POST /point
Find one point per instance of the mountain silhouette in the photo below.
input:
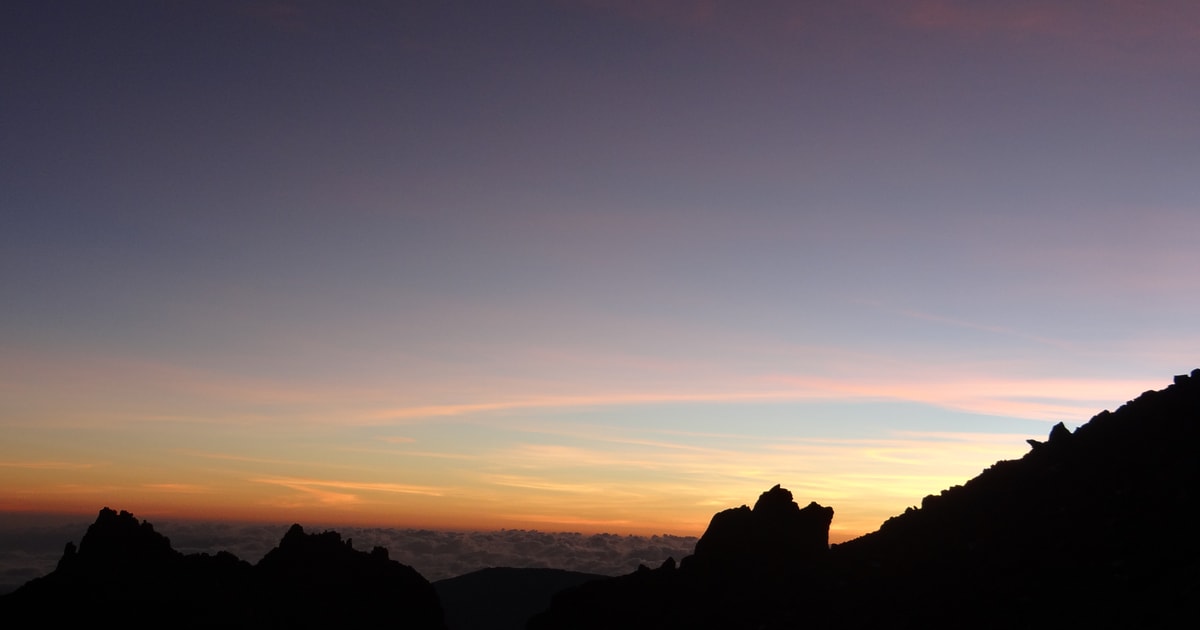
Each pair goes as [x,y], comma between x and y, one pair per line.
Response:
[123,567]
[1089,528]
[1092,527]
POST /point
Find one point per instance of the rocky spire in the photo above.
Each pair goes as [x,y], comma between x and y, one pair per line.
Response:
[776,535]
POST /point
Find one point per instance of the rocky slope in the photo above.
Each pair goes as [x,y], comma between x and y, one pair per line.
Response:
[1090,527]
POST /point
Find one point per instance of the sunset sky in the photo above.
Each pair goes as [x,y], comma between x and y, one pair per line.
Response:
[580,265]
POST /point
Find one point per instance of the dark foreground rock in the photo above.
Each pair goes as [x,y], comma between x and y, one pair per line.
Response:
[772,538]
[1091,528]
[749,562]
[503,598]
[125,571]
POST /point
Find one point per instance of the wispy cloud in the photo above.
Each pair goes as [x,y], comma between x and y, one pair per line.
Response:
[180,488]
[396,439]
[953,388]
[622,471]
[1049,399]
[830,374]
[565,402]
[45,465]
[410,453]
[320,487]
[560,520]
[986,328]
[236,458]
[539,483]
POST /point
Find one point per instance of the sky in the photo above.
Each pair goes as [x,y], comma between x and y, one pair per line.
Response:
[579,265]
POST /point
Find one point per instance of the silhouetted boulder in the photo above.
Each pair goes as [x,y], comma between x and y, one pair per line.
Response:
[773,536]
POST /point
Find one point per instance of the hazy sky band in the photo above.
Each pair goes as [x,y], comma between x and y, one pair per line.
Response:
[616,264]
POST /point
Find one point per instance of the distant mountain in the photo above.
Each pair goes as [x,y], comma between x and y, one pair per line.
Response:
[124,571]
[1088,528]
[502,598]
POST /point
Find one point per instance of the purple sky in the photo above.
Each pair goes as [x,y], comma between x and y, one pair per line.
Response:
[597,265]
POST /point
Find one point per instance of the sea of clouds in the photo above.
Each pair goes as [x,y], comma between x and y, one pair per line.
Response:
[29,550]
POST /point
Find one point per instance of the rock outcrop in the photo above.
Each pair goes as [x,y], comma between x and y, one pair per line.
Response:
[775,536]
[747,563]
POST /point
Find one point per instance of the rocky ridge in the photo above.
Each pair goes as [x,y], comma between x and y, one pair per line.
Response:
[309,581]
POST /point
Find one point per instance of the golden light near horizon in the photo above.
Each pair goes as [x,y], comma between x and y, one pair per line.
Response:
[484,472]
[584,266]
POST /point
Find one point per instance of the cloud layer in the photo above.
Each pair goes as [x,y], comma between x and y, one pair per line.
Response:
[30,550]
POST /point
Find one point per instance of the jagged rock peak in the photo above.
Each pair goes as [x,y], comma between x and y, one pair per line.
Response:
[1059,436]
[775,532]
[296,540]
[69,558]
[309,581]
[294,534]
[1184,379]
[121,534]
[776,500]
